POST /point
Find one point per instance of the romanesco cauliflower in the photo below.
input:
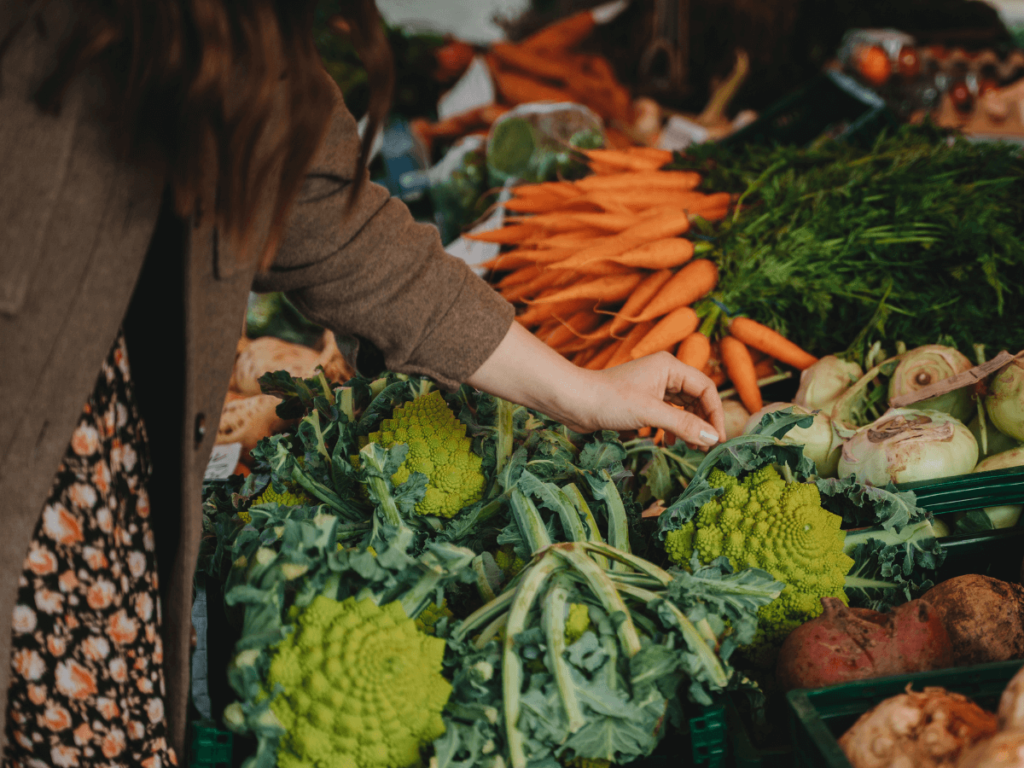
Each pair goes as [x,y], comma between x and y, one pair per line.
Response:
[433,613]
[765,522]
[287,499]
[439,448]
[577,622]
[362,687]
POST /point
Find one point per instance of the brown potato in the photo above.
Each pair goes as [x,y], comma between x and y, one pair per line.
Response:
[983,616]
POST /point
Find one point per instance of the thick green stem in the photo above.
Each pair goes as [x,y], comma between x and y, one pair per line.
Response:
[553,620]
[503,447]
[531,524]
[626,558]
[691,635]
[483,615]
[579,501]
[511,665]
[604,589]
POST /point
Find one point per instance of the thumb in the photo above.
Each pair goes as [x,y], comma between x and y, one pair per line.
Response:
[683,424]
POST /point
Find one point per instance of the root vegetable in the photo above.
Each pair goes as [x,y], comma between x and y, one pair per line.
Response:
[735,417]
[1011,704]
[845,644]
[930,729]
[1004,750]
[983,616]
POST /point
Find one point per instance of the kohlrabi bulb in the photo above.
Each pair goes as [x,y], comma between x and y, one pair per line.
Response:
[1005,402]
[825,382]
[906,445]
[927,365]
[1005,515]
[819,441]
[735,417]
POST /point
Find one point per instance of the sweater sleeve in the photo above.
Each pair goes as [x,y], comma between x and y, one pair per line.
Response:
[374,273]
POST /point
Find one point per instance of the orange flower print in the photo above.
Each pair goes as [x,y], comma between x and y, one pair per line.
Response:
[137,563]
[142,503]
[74,681]
[95,648]
[100,594]
[70,621]
[37,694]
[28,664]
[83,734]
[55,717]
[140,664]
[24,741]
[119,670]
[85,441]
[24,620]
[104,520]
[122,415]
[95,558]
[107,708]
[122,457]
[155,710]
[68,581]
[56,645]
[144,606]
[113,743]
[108,423]
[82,496]
[136,730]
[49,602]
[64,756]
[60,525]
[144,685]
[158,651]
[152,762]
[101,477]
[149,541]
[41,561]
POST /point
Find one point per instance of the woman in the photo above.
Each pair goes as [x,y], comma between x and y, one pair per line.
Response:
[158,159]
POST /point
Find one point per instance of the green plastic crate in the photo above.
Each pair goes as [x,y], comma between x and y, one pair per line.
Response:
[211,747]
[819,718]
[708,734]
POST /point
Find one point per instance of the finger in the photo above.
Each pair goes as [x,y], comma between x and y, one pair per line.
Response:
[682,424]
[689,381]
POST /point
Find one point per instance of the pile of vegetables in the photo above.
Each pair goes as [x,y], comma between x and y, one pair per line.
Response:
[507,538]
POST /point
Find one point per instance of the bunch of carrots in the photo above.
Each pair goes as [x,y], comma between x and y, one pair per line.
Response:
[543,67]
[603,274]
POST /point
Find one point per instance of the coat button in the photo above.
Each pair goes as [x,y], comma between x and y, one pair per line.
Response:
[200,428]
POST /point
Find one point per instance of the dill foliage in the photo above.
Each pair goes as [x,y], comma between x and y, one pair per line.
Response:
[918,239]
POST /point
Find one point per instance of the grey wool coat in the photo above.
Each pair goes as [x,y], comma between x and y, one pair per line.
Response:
[87,246]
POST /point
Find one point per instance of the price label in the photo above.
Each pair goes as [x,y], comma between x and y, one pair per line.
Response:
[223,461]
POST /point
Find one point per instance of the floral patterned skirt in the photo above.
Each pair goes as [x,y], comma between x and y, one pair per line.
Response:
[87,679]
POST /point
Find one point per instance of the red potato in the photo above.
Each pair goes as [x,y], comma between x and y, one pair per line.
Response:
[983,616]
[845,644]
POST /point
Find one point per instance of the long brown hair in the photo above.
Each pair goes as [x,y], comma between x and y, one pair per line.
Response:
[176,68]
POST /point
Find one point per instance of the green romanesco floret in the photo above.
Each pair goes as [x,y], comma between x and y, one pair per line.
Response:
[439,448]
[290,498]
[508,561]
[576,623]
[362,687]
[765,522]
[433,613]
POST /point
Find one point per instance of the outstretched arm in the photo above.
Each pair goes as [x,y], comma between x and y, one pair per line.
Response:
[526,371]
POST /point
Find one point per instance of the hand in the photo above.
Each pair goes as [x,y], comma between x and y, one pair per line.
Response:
[641,393]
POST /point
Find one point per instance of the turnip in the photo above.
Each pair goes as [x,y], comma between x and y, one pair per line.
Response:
[1005,403]
[921,368]
[735,417]
[1004,750]
[825,382]
[819,441]
[845,644]
[984,618]
[927,729]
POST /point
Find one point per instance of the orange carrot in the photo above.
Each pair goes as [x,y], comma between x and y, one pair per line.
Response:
[669,331]
[600,360]
[642,198]
[589,340]
[632,339]
[581,323]
[609,288]
[739,366]
[690,283]
[548,188]
[667,224]
[581,358]
[642,294]
[630,160]
[579,238]
[758,336]
[694,351]
[718,377]
[520,89]
[520,276]
[667,180]
[548,203]
[764,369]
[529,62]
[652,153]
[508,261]
[552,278]
[643,432]
[538,313]
[660,254]
[505,235]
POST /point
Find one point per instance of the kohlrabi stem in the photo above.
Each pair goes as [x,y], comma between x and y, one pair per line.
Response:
[484,614]
[503,448]
[531,524]
[325,384]
[576,497]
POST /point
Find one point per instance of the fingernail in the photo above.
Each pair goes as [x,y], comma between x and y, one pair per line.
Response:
[710,438]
